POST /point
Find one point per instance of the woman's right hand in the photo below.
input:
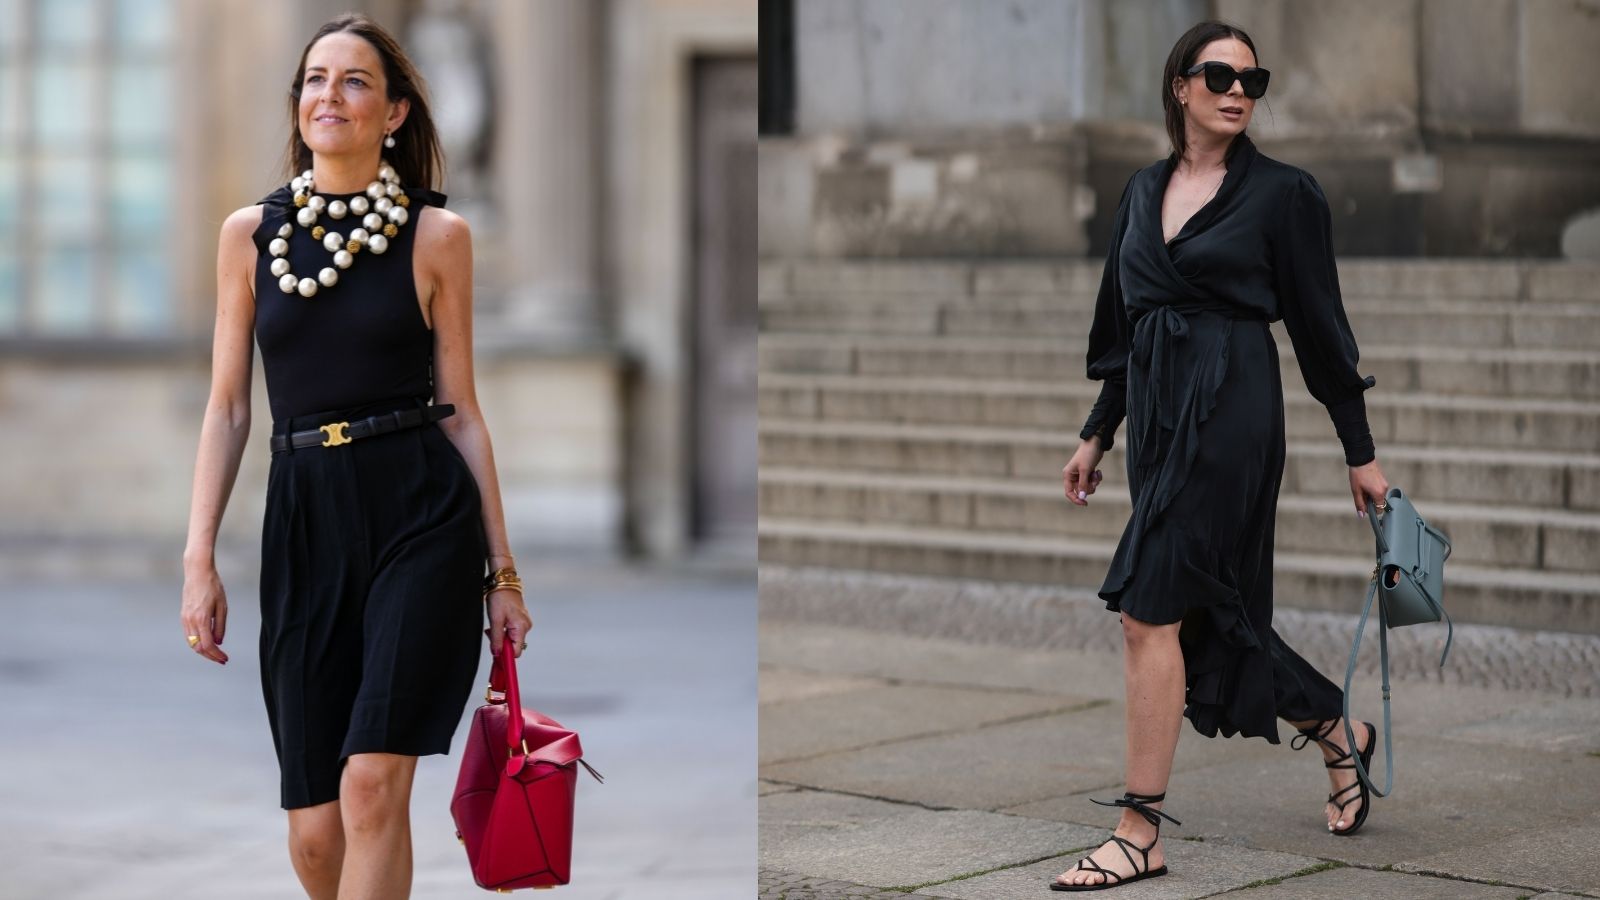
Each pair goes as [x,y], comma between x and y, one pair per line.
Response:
[1080,477]
[205,612]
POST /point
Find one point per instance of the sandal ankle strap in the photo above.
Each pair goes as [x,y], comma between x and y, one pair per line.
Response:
[1315,733]
[1136,802]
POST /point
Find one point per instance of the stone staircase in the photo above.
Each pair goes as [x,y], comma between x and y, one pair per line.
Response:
[915,417]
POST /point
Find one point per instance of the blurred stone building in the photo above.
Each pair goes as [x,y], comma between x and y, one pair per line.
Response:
[951,127]
[602,150]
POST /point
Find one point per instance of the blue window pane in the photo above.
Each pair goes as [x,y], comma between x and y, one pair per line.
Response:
[141,102]
[10,102]
[65,195]
[139,193]
[10,195]
[140,289]
[10,23]
[10,294]
[65,296]
[62,94]
[67,23]
[143,24]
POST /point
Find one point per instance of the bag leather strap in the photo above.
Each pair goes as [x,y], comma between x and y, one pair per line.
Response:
[1383,655]
[1349,675]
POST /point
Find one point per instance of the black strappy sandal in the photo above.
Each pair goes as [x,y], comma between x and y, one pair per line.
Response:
[1135,802]
[1343,761]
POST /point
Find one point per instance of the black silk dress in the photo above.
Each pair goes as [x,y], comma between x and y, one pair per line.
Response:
[1181,340]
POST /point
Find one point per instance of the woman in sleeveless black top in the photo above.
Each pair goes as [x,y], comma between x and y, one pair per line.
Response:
[375,538]
[1181,340]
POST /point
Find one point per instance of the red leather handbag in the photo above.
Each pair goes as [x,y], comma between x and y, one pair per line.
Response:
[514,796]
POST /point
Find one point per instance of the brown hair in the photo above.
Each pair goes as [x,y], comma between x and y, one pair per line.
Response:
[1183,55]
[417,156]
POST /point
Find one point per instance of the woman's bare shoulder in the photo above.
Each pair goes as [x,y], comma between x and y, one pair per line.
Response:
[441,229]
[239,228]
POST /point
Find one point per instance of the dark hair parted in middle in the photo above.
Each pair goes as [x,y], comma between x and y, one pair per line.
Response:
[417,156]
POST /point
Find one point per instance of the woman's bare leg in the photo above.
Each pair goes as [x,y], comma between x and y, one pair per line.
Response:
[316,848]
[375,791]
[1152,667]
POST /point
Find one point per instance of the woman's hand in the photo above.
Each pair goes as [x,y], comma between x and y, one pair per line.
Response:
[1080,477]
[1368,481]
[508,617]
[205,611]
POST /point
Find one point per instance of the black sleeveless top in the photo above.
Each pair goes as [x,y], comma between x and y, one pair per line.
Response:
[361,341]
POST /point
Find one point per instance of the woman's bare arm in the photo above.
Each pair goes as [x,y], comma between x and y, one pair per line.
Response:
[223,430]
[444,250]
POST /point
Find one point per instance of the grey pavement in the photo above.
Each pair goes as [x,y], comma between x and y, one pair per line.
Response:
[935,738]
[133,769]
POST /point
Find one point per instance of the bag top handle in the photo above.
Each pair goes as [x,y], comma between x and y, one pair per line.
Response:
[503,672]
[1372,519]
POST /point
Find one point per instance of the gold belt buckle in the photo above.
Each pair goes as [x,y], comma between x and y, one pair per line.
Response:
[335,433]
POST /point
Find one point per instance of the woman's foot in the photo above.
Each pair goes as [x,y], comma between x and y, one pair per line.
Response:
[1133,853]
[1337,757]
[1122,861]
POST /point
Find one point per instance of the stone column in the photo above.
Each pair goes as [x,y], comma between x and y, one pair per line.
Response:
[549,162]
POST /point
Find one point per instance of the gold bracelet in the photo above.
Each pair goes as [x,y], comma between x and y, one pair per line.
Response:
[505,573]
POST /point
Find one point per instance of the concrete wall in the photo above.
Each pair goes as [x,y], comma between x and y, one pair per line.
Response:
[1439,127]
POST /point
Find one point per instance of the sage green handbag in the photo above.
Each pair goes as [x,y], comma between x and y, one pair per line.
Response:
[1409,583]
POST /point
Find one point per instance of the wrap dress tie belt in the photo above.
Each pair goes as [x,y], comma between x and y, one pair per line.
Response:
[1178,363]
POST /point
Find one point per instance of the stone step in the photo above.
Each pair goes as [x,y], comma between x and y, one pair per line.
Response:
[1531,280]
[1428,322]
[1491,596]
[1527,478]
[1487,535]
[1477,371]
[1431,419]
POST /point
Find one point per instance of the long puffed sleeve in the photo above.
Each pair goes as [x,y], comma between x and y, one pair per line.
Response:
[1107,360]
[1313,312]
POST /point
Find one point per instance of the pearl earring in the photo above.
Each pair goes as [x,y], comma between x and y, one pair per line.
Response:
[388,140]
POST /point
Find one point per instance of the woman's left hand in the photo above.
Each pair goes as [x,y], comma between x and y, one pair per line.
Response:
[1368,481]
[509,620]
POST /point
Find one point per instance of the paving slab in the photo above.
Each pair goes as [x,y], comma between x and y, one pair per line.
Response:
[877,654]
[1344,882]
[1195,870]
[801,811]
[1000,765]
[1562,858]
[877,715]
[1447,795]
[1554,724]
[917,845]
[1534,720]
[776,685]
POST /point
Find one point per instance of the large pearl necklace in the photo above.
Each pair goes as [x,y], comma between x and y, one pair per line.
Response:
[384,198]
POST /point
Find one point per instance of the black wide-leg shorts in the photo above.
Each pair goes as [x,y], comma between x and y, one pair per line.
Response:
[372,617]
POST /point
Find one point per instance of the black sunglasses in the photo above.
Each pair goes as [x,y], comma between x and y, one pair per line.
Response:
[1220,77]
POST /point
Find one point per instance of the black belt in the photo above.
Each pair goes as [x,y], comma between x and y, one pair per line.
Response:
[335,434]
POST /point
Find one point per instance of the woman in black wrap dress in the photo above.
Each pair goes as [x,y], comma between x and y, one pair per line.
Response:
[1204,255]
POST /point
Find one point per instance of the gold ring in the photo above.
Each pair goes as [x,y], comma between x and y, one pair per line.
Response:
[194,639]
